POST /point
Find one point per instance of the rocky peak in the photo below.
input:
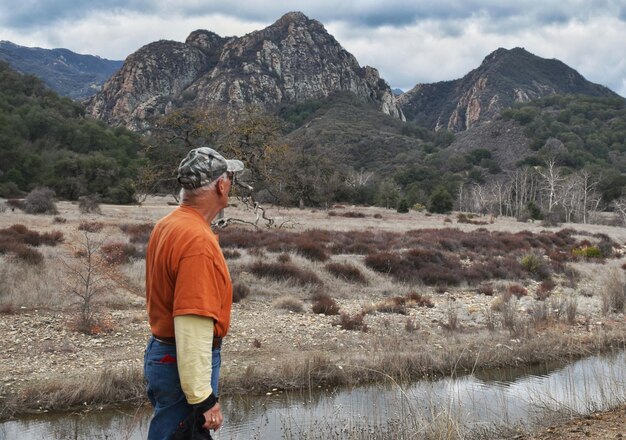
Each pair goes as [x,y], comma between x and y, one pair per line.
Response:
[503,78]
[292,61]
[207,41]
[294,17]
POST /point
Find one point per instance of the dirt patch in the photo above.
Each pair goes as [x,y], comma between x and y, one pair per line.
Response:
[598,426]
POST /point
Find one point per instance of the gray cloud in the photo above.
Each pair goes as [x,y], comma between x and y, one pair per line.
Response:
[408,41]
[365,12]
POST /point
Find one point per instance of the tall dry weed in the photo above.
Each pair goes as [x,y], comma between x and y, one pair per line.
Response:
[613,292]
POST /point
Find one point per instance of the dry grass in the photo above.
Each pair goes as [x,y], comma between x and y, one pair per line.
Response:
[240,291]
[124,386]
[613,292]
[289,302]
[400,346]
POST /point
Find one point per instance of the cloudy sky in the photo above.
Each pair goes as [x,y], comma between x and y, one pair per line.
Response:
[409,42]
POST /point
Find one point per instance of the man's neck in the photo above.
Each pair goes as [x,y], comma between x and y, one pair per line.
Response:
[204,205]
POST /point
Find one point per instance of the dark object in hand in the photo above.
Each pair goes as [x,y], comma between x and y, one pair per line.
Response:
[191,428]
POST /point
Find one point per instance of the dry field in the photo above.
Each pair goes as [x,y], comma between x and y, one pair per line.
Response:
[334,297]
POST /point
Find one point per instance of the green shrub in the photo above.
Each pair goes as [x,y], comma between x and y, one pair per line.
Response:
[440,201]
[587,252]
[403,206]
[535,265]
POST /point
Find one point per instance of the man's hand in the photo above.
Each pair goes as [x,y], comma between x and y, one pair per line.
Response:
[214,418]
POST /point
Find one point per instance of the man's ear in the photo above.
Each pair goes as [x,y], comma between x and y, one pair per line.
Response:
[220,185]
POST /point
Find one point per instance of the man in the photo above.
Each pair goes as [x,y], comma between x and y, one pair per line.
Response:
[189,299]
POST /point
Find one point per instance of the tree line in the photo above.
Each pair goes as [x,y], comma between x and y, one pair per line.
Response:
[46,140]
[577,165]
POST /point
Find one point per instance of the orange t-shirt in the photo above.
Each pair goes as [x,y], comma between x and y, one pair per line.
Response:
[186,273]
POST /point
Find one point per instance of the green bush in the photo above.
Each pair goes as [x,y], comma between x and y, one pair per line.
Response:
[440,201]
[587,252]
[403,206]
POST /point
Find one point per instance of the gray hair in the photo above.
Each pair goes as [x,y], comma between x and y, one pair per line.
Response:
[190,193]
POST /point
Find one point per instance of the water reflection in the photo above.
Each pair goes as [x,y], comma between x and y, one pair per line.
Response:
[504,396]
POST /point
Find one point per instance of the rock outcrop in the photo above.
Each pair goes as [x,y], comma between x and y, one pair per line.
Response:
[291,61]
[504,78]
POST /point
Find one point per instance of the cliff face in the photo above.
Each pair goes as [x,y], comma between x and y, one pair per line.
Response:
[504,78]
[291,61]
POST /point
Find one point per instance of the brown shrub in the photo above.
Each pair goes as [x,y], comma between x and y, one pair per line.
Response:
[385,262]
[7,309]
[349,214]
[354,322]
[434,275]
[29,255]
[256,252]
[517,290]
[119,253]
[137,232]
[240,291]
[59,220]
[285,271]
[347,272]
[323,304]
[235,237]
[311,250]
[486,289]
[411,325]
[91,226]
[284,258]
[396,304]
[230,254]
[15,204]
[95,326]
[545,289]
[420,300]
[16,240]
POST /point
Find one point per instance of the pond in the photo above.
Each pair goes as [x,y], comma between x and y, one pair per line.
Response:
[487,398]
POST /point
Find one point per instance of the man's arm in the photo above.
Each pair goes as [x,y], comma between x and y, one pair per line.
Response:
[194,342]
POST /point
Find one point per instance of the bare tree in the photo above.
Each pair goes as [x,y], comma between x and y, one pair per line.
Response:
[620,208]
[88,277]
[551,180]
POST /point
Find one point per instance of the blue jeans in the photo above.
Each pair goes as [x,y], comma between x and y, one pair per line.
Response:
[164,390]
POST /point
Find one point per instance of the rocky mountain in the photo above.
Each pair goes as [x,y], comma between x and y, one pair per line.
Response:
[291,61]
[504,78]
[66,72]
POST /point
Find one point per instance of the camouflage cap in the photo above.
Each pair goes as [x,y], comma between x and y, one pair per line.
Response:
[203,165]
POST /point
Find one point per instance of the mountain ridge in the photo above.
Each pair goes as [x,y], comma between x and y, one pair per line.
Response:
[291,61]
[68,73]
[505,77]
